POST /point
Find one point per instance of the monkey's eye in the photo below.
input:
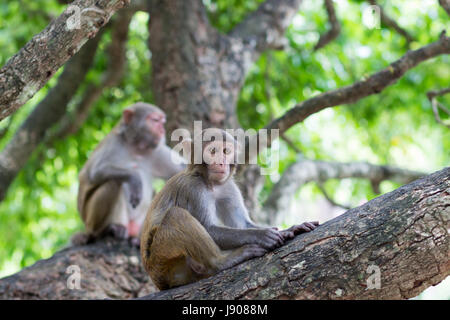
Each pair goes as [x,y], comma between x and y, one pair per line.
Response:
[226,150]
[212,150]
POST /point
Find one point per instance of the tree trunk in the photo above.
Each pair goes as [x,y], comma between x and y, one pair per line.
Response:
[193,77]
[402,234]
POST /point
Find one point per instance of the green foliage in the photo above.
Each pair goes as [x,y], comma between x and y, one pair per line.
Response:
[395,127]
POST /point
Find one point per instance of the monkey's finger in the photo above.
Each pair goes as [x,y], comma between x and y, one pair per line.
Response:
[297,229]
[303,228]
[276,239]
[276,235]
[310,225]
[280,238]
[288,234]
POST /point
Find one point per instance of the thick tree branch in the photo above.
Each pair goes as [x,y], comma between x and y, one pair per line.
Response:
[358,90]
[265,27]
[304,171]
[391,23]
[108,269]
[28,70]
[45,114]
[436,105]
[403,233]
[335,29]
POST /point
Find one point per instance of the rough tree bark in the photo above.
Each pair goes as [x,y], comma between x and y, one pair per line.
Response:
[29,69]
[404,233]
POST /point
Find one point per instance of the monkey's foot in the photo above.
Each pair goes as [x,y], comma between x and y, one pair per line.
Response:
[117,231]
[134,241]
[81,239]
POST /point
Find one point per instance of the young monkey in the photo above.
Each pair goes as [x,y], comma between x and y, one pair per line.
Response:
[198,225]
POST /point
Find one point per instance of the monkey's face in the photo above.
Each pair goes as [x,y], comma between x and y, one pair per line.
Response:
[143,126]
[155,123]
[218,157]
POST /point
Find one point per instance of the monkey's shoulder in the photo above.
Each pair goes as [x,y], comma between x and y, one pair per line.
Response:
[186,180]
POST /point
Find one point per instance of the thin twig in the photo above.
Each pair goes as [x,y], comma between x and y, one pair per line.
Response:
[391,23]
[329,199]
[436,105]
[335,29]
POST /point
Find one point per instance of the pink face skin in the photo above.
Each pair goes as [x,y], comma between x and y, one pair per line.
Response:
[155,122]
[218,156]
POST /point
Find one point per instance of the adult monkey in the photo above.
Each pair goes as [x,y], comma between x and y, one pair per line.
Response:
[115,184]
[198,225]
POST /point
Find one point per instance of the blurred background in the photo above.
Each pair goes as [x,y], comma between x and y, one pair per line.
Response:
[395,127]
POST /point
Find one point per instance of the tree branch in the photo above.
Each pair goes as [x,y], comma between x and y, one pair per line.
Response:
[45,114]
[116,53]
[358,90]
[391,23]
[404,233]
[335,29]
[28,70]
[435,105]
[304,171]
[264,28]
[329,199]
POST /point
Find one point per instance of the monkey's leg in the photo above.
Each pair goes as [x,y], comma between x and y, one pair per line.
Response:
[182,251]
[103,209]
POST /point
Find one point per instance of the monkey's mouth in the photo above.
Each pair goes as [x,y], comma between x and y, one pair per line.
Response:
[219,172]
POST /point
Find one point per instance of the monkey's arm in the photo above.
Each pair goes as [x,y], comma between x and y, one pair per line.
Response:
[130,180]
[231,209]
[229,238]
[166,163]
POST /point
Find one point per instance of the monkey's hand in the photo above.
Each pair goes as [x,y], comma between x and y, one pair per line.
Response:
[299,228]
[134,185]
[269,238]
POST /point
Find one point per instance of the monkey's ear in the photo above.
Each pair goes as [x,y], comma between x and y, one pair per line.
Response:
[128,115]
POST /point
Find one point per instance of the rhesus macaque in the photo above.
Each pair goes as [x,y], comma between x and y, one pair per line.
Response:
[115,184]
[198,225]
